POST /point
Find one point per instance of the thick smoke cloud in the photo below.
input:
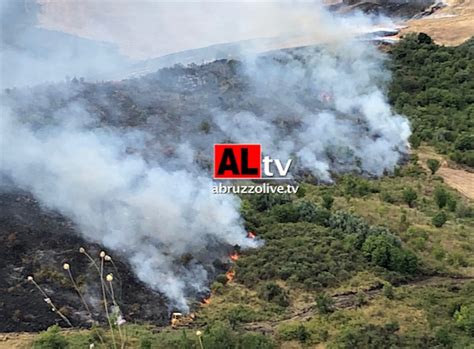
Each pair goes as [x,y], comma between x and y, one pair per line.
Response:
[151,215]
[332,97]
[323,106]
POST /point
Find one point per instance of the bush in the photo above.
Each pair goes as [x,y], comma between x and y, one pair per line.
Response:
[255,341]
[303,211]
[367,336]
[328,200]
[361,299]
[464,318]
[441,196]
[325,303]
[388,291]
[439,220]
[293,331]
[241,314]
[433,165]
[51,339]
[271,292]
[385,251]
[410,196]
[287,213]
[219,336]
[464,211]
[451,203]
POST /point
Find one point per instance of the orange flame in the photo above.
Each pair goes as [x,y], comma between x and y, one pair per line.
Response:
[251,235]
[234,256]
[230,275]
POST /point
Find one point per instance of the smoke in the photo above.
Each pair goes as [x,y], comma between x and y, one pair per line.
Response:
[125,160]
[151,215]
[30,54]
[167,27]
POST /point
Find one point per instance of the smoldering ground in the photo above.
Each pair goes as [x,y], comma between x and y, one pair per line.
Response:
[129,161]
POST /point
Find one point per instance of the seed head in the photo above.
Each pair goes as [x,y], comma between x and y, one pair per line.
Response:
[29,278]
[66,266]
[109,277]
[102,254]
[108,258]
[82,250]
[198,333]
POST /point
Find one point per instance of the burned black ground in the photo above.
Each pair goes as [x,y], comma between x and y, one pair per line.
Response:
[36,241]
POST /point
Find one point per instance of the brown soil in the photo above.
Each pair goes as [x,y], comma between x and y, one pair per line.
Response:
[451,25]
[458,178]
[16,340]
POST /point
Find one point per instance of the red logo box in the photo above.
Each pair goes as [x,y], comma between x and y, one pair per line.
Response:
[237,161]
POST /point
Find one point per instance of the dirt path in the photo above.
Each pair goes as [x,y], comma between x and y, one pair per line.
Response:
[457,178]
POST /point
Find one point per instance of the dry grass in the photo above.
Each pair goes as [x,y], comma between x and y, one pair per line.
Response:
[450,26]
[457,178]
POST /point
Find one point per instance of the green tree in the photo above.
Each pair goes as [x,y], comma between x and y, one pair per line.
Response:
[451,203]
[271,292]
[433,165]
[328,200]
[441,196]
[410,196]
[439,219]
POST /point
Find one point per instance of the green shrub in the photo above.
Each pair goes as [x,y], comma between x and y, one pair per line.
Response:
[410,196]
[324,303]
[255,341]
[464,318]
[271,292]
[219,336]
[328,200]
[241,314]
[51,339]
[293,331]
[388,291]
[441,197]
[464,211]
[451,203]
[439,219]
[433,165]
[385,251]
[367,336]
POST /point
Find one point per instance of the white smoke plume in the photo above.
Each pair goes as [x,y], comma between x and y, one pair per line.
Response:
[323,106]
